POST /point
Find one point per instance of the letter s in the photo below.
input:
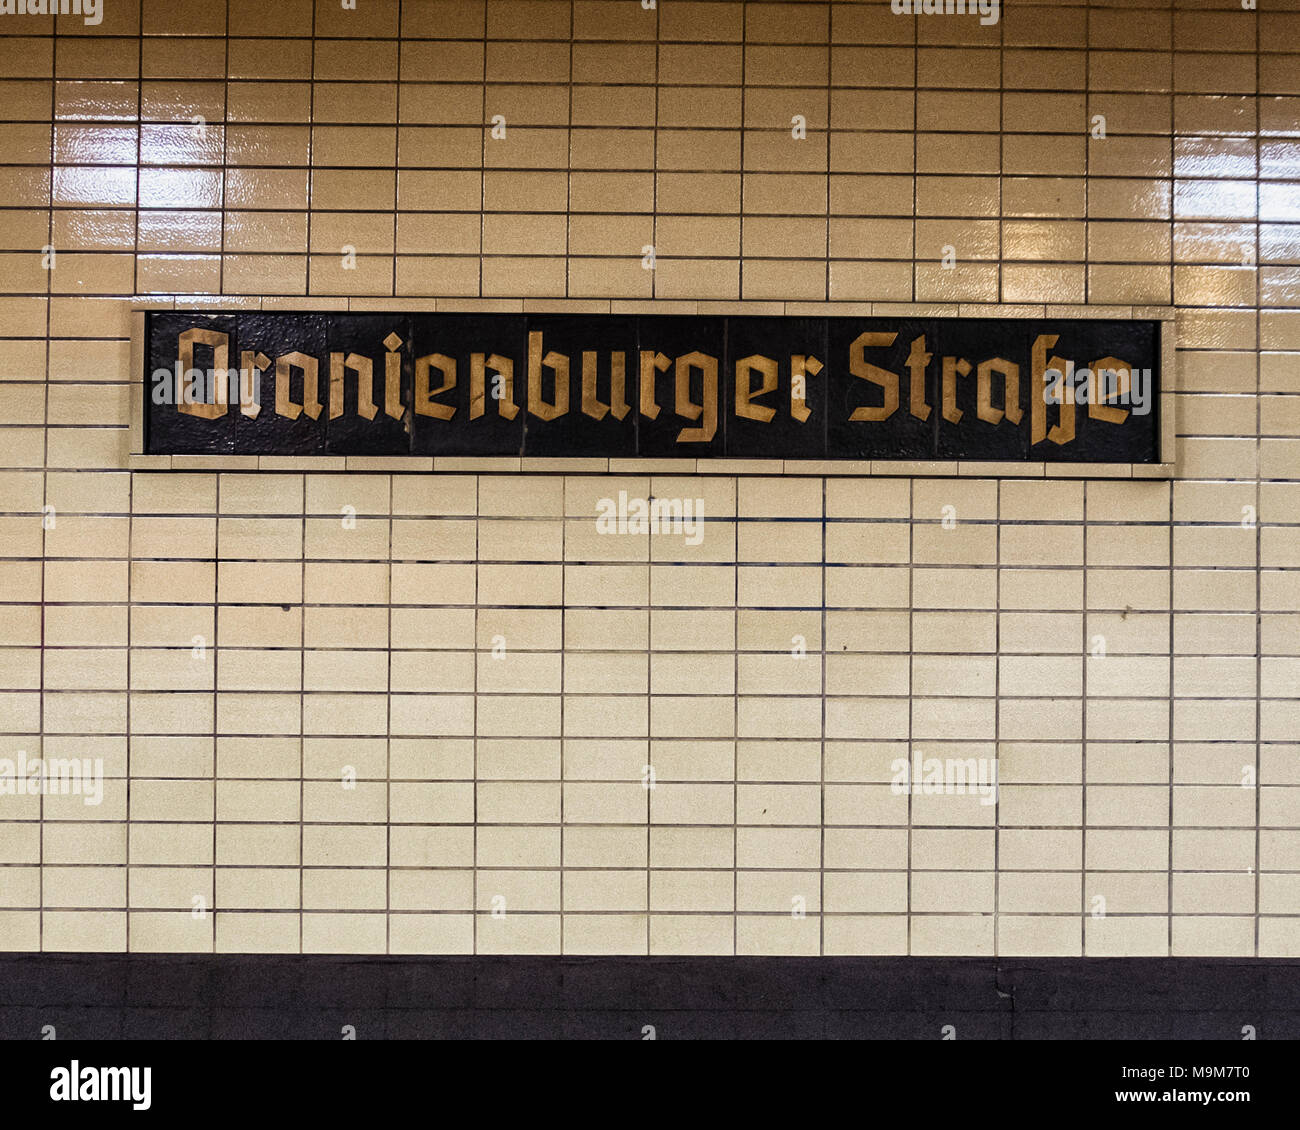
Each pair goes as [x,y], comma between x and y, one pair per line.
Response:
[887,380]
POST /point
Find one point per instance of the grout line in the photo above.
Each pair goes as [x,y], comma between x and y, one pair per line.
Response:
[216,688]
[311,161]
[397,155]
[735,729]
[1259,501]
[997,716]
[911,681]
[388,742]
[302,724]
[475,916]
[826,142]
[483,212]
[821,904]
[1083,730]
[916,132]
[45,501]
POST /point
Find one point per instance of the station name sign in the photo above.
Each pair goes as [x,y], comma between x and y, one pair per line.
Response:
[652,386]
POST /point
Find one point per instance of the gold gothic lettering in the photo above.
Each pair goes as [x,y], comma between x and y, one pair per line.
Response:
[190,382]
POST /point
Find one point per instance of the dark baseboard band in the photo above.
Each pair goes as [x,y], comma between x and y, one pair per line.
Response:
[258,996]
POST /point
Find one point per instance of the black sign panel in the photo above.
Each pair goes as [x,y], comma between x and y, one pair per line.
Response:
[652,386]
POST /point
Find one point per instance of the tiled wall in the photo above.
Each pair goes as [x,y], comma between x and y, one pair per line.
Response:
[370,735]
